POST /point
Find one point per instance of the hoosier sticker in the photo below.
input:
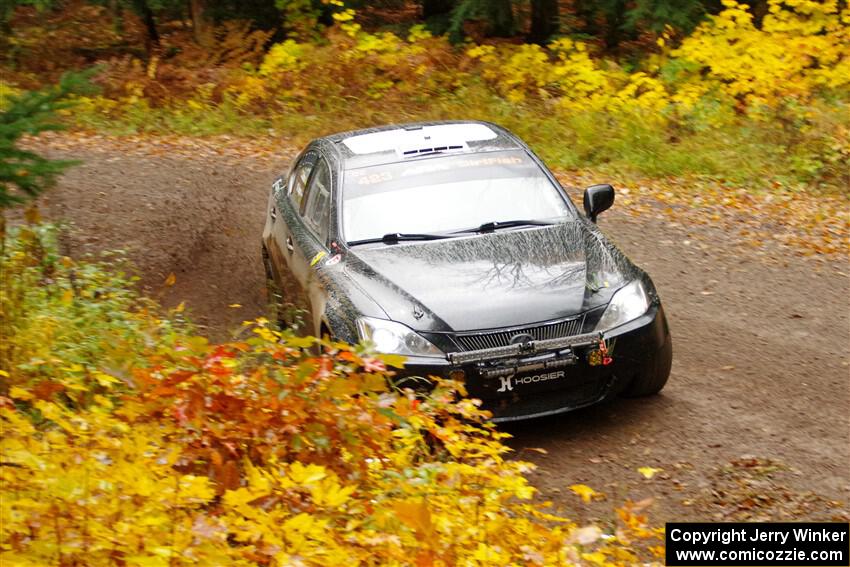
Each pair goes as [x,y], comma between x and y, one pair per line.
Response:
[509,382]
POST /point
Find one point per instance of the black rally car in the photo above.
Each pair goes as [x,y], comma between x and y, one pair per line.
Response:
[452,244]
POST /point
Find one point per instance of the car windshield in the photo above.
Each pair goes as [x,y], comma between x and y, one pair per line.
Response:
[447,193]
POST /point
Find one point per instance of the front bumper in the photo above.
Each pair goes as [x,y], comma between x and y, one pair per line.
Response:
[560,375]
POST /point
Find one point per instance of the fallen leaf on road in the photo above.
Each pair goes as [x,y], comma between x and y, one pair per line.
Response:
[649,472]
[585,492]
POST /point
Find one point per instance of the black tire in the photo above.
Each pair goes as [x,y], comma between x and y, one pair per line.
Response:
[267,266]
[325,332]
[654,377]
[274,295]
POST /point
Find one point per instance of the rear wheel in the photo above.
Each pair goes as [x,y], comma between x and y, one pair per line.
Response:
[274,294]
[325,332]
[651,380]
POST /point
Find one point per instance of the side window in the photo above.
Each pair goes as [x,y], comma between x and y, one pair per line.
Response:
[316,208]
[299,177]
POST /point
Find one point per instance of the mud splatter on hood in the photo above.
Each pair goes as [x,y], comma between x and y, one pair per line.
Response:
[494,280]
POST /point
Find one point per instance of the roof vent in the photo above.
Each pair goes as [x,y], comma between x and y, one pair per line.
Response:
[436,147]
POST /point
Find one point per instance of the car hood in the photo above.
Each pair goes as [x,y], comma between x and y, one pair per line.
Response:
[500,279]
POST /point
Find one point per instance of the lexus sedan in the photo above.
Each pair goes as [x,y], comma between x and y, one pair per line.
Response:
[452,244]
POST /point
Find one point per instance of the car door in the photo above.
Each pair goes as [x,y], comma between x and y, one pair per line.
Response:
[311,241]
[286,224]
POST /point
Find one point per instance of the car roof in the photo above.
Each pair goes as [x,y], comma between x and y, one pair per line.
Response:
[399,142]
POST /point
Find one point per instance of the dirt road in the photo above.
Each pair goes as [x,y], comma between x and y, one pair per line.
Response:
[754,423]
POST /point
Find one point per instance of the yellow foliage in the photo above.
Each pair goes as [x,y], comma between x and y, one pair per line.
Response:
[286,57]
[249,90]
[764,90]
[801,49]
[246,453]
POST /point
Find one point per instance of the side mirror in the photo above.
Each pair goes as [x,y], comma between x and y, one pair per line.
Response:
[597,198]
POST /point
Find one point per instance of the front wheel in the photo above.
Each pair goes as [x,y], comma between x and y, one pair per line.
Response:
[653,378]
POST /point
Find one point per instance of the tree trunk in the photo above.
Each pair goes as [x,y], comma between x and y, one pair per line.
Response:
[585,14]
[117,17]
[200,23]
[151,33]
[614,21]
[431,8]
[501,18]
[759,9]
[544,20]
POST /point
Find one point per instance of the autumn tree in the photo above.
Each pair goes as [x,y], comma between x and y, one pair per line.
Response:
[7,10]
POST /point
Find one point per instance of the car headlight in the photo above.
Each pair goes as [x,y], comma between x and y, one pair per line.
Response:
[628,303]
[390,337]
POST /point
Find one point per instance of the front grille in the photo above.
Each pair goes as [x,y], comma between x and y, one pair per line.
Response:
[493,339]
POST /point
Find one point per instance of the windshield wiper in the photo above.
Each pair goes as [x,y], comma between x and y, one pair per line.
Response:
[396,237]
[495,225]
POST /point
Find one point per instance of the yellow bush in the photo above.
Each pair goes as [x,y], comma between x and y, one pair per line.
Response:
[248,90]
[582,83]
[802,49]
[286,57]
[761,88]
[254,452]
